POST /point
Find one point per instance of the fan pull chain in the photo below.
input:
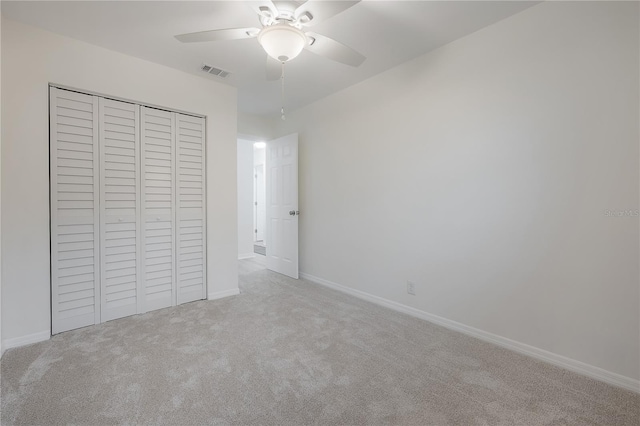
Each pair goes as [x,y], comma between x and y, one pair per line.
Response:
[282,79]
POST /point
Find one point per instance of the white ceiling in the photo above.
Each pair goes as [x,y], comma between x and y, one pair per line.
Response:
[386,32]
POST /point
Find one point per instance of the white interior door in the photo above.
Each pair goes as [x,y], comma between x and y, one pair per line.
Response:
[75,236]
[191,229]
[282,205]
[120,209]
[158,134]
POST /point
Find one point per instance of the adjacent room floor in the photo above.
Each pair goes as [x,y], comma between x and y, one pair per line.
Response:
[291,352]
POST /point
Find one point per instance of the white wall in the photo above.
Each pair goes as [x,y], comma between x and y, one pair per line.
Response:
[245,199]
[1,345]
[254,127]
[33,58]
[483,171]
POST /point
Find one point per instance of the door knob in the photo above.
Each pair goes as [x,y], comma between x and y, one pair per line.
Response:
[292,212]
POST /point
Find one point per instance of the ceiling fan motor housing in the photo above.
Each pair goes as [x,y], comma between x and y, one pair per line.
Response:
[282,41]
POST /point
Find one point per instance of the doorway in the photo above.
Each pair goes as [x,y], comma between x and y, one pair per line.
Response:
[268,203]
[259,198]
[251,199]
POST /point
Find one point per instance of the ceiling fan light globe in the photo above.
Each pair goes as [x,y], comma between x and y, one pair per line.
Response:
[282,41]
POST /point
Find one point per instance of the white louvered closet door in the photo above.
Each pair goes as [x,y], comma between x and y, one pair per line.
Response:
[120,209]
[190,209]
[128,231]
[158,207]
[75,277]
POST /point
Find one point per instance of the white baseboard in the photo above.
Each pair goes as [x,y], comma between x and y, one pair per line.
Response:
[26,340]
[246,256]
[522,348]
[223,293]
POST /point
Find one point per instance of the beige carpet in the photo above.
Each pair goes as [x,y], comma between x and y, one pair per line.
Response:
[291,352]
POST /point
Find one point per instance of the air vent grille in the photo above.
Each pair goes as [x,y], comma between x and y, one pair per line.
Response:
[215,71]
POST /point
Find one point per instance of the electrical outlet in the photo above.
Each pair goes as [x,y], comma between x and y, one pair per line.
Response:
[411,288]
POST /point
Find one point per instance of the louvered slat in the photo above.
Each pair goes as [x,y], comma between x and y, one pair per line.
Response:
[190,203]
[158,207]
[120,209]
[75,279]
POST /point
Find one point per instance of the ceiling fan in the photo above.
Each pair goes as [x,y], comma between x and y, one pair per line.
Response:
[283,34]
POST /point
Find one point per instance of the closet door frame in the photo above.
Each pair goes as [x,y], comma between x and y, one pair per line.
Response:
[98,189]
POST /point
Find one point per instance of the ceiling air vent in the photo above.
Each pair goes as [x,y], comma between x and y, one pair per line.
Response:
[215,71]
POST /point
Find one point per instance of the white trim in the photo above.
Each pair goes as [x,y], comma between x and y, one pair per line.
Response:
[223,293]
[570,364]
[246,256]
[26,340]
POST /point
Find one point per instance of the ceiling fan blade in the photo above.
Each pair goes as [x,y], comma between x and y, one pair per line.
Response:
[218,35]
[318,11]
[329,48]
[263,8]
[274,69]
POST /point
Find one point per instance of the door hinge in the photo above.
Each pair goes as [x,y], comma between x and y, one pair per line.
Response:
[255,230]
[255,202]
